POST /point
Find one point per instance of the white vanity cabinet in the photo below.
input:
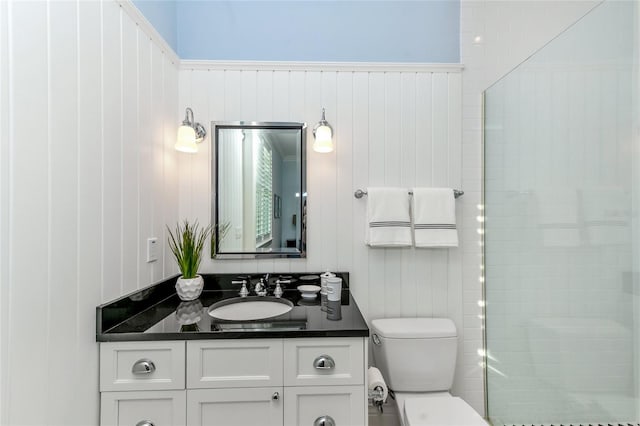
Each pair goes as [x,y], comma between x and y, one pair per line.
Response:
[142,383]
[235,382]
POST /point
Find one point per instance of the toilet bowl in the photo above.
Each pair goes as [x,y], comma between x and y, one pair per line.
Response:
[417,358]
[441,410]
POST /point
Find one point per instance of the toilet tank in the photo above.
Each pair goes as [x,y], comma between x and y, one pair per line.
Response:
[415,354]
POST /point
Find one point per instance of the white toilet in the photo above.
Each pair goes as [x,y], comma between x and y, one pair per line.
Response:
[417,357]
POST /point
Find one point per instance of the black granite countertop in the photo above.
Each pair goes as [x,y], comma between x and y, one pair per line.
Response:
[156,313]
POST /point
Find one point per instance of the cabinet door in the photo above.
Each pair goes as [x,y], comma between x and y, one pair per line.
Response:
[235,407]
[341,404]
[242,363]
[149,408]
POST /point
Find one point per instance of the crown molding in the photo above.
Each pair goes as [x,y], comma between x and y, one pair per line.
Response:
[142,22]
[187,64]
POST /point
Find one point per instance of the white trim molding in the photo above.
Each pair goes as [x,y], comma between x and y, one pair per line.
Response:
[211,65]
[146,26]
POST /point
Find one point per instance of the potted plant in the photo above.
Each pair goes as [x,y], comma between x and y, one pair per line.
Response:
[187,244]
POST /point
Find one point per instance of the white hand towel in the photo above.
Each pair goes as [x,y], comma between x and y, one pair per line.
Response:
[434,212]
[388,218]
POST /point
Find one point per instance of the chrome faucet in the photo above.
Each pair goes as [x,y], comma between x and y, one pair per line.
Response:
[261,287]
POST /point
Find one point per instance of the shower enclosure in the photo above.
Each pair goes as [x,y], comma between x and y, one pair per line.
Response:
[561,200]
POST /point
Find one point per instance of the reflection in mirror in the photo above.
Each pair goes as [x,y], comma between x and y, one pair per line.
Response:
[259,194]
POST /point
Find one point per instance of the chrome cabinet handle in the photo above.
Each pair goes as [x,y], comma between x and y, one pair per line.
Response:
[145,423]
[143,366]
[275,396]
[324,421]
[324,362]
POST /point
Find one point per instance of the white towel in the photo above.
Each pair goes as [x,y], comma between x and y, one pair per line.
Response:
[434,212]
[388,218]
[558,217]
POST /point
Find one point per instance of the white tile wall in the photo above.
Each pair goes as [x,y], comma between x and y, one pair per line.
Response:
[87,173]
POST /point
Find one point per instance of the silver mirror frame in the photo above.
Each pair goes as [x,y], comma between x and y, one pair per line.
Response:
[215,125]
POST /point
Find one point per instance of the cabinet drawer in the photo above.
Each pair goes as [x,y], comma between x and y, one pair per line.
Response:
[234,363]
[157,408]
[345,405]
[319,361]
[141,366]
[235,407]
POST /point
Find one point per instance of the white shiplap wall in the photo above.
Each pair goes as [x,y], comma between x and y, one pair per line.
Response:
[88,96]
[395,125]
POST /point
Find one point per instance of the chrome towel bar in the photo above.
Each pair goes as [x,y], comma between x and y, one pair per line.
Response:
[360,193]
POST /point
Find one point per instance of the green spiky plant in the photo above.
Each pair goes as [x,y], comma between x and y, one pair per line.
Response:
[187,245]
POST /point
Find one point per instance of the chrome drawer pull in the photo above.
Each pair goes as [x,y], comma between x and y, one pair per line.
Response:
[324,421]
[275,396]
[145,423]
[324,362]
[143,366]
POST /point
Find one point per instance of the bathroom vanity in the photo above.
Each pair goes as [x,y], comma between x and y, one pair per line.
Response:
[167,362]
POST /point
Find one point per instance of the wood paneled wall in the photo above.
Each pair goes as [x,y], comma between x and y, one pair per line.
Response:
[394,126]
[88,96]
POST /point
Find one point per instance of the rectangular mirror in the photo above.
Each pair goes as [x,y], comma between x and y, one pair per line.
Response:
[259,189]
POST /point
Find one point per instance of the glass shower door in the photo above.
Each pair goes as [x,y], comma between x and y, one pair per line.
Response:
[561,237]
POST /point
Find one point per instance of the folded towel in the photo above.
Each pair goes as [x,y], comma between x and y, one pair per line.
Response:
[558,217]
[388,218]
[607,213]
[434,212]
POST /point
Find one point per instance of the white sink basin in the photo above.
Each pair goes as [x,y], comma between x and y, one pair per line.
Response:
[249,308]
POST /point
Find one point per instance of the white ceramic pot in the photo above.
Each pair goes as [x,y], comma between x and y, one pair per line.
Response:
[189,288]
[189,312]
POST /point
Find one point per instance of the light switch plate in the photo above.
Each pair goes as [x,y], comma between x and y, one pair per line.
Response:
[152,249]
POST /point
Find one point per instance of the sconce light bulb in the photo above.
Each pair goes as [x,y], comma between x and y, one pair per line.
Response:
[186,141]
[323,139]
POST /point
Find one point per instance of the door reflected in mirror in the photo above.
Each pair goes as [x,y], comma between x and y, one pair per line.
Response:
[259,189]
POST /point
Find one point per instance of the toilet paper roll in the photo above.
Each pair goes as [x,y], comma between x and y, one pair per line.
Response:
[375,379]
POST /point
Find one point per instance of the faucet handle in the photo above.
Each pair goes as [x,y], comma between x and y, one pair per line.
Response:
[278,291]
[243,291]
[285,279]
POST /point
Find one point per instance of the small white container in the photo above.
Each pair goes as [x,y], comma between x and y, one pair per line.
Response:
[323,279]
[323,289]
[308,291]
[334,289]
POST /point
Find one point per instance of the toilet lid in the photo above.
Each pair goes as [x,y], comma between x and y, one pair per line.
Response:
[440,411]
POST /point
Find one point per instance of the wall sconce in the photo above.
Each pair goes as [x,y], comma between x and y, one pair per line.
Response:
[190,134]
[323,135]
